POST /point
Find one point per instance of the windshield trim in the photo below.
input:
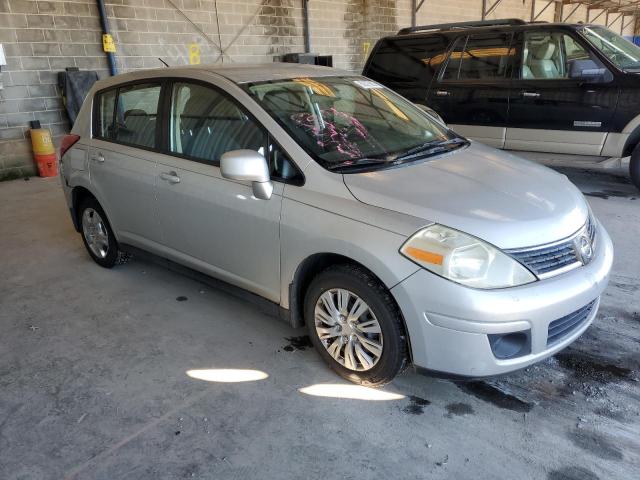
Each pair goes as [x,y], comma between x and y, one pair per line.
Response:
[365,168]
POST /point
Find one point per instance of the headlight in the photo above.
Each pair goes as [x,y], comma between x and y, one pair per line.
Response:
[464,259]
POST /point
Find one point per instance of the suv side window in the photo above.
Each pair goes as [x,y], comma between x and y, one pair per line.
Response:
[414,60]
[480,57]
[137,114]
[549,55]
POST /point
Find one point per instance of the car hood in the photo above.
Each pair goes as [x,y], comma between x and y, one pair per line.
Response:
[498,197]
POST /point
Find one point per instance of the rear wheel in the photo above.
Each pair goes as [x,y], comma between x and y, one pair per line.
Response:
[98,236]
[355,325]
[634,166]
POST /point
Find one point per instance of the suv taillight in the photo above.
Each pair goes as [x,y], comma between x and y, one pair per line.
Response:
[68,141]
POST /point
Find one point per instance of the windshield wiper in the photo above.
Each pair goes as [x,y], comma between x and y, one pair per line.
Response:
[431,148]
[353,165]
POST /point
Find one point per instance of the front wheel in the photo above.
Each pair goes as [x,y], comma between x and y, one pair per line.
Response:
[356,326]
[634,167]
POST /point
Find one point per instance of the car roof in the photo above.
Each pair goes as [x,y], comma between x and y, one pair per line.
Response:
[460,29]
[236,73]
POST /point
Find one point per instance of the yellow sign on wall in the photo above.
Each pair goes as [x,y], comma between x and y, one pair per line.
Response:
[108,45]
[194,54]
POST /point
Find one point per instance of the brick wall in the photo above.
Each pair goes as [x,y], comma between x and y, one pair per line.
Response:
[41,38]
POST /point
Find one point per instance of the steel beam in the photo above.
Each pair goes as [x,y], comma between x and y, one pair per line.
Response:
[485,13]
[415,7]
[539,14]
[596,17]
[614,20]
[571,13]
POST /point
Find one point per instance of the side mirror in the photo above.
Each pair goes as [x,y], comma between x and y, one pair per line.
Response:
[587,70]
[248,166]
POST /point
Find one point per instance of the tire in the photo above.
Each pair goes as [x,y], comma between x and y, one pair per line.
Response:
[634,167]
[98,236]
[382,314]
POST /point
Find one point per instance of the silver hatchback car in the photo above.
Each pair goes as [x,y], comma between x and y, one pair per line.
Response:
[391,237]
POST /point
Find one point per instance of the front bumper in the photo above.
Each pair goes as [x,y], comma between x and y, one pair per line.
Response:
[448,324]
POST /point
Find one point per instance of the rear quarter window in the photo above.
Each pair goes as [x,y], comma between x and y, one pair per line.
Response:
[412,60]
[106,103]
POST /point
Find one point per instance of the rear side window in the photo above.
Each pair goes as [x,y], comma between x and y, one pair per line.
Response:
[128,114]
[414,60]
[204,124]
[486,57]
[137,114]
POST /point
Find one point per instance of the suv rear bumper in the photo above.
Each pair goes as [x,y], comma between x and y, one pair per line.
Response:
[449,324]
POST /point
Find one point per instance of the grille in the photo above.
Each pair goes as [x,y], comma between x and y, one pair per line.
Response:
[559,329]
[547,259]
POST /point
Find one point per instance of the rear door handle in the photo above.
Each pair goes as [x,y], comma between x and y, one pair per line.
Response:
[530,94]
[98,158]
[442,93]
[171,177]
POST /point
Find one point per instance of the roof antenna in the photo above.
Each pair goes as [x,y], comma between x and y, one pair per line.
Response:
[163,62]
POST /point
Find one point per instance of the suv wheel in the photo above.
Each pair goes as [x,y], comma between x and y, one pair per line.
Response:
[355,325]
[97,235]
[634,166]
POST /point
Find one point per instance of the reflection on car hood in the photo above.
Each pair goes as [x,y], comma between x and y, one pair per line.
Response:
[500,198]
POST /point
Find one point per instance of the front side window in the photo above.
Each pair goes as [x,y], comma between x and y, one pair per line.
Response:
[554,55]
[352,123]
[137,115]
[624,54]
[204,124]
[480,57]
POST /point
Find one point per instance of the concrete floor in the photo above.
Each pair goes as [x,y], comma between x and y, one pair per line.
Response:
[94,383]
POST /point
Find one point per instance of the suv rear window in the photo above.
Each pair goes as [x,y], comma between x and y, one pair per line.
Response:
[407,60]
[484,57]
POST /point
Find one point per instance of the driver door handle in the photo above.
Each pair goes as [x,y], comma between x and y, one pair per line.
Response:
[442,93]
[98,158]
[171,177]
[530,94]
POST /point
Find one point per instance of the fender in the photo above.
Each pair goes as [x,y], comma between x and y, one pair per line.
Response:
[622,144]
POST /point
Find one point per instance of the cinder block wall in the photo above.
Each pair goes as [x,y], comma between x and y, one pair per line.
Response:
[41,38]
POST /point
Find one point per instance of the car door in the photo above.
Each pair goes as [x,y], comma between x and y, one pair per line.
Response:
[122,160]
[555,106]
[471,93]
[210,223]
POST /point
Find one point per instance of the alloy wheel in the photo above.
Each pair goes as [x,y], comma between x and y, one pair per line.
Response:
[95,232]
[348,329]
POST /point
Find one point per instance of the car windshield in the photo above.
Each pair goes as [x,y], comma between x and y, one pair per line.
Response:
[353,124]
[620,51]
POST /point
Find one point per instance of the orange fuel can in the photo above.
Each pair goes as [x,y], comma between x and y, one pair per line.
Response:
[44,152]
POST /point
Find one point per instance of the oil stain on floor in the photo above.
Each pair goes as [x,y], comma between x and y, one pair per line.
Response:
[595,443]
[497,397]
[589,368]
[297,343]
[572,473]
[459,409]
[416,405]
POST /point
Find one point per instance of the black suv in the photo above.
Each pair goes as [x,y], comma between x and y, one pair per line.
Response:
[541,87]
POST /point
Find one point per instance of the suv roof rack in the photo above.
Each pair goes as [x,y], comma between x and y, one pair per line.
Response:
[447,26]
